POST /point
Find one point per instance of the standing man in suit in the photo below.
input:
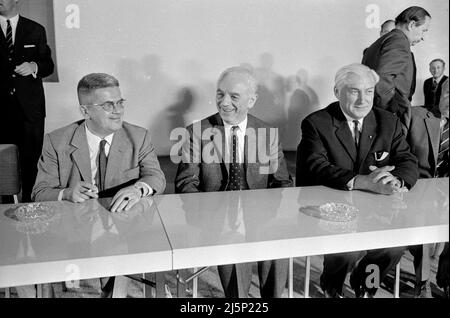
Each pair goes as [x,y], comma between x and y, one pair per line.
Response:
[25,59]
[428,137]
[391,57]
[222,153]
[100,156]
[352,146]
[432,86]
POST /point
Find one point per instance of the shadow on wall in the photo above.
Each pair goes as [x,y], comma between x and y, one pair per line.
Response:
[283,102]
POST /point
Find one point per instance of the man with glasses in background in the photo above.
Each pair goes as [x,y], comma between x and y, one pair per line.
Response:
[99,156]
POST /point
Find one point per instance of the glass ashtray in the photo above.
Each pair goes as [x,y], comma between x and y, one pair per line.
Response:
[334,212]
[34,212]
[338,212]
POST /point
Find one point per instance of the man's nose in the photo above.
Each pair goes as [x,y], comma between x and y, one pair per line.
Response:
[226,100]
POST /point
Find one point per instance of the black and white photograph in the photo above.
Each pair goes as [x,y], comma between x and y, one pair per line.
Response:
[224,153]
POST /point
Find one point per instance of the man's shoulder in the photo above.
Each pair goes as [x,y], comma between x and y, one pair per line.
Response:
[30,23]
[383,116]
[419,111]
[66,130]
[323,114]
[134,130]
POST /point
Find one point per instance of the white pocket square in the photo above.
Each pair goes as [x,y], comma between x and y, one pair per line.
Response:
[29,46]
[381,155]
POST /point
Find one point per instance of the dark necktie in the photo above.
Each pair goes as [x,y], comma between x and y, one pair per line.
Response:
[443,156]
[357,133]
[101,166]
[9,38]
[235,172]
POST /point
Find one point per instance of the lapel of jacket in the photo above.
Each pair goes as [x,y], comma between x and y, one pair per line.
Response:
[367,137]
[434,134]
[120,144]
[80,153]
[218,139]
[342,132]
[20,34]
[2,43]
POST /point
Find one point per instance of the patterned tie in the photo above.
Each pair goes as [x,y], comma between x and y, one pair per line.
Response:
[357,133]
[443,156]
[9,38]
[235,172]
[101,166]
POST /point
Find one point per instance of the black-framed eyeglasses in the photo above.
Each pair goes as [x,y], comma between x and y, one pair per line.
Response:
[110,106]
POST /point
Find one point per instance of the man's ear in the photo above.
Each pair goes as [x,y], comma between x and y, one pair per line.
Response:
[252,101]
[410,25]
[336,92]
[84,112]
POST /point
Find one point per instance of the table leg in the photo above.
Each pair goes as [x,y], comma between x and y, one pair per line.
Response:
[195,286]
[147,289]
[38,291]
[307,275]
[181,285]
[7,293]
[160,281]
[397,281]
[291,278]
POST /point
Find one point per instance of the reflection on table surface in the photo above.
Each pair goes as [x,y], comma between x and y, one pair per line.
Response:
[220,218]
[78,231]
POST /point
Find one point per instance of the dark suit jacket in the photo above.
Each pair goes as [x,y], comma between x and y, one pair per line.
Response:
[65,161]
[30,46]
[424,137]
[432,98]
[202,175]
[390,56]
[327,153]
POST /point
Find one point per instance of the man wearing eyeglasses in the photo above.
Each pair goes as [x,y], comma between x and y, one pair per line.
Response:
[100,156]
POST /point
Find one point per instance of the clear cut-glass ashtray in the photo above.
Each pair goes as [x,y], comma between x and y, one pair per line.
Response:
[338,212]
[34,212]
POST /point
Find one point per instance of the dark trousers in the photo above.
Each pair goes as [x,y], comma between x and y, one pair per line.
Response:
[28,135]
[442,275]
[336,267]
[236,278]
[422,261]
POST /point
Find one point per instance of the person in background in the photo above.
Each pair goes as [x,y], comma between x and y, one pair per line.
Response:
[387,27]
[25,59]
[391,57]
[432,86]
[428,138]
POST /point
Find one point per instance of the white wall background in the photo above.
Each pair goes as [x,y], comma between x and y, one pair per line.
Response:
[167,54]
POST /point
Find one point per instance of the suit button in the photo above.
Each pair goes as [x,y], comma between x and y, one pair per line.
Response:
[14,75]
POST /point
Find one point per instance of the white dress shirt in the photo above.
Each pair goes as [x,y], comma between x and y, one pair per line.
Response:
[4,24]
[241,141]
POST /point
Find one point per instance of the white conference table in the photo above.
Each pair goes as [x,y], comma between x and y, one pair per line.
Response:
[81,241]
[172,232]
[277,223]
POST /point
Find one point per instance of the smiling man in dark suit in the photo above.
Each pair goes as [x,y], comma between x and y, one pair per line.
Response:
[352,146]
[25,59]
[224,153]
[432,86]
[391,57]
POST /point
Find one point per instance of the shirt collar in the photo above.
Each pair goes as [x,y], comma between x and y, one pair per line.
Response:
[349,119]
[242,125]
[14,20]
[95,140]
[438,80]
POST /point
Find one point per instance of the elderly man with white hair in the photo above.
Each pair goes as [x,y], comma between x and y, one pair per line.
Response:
[350,145]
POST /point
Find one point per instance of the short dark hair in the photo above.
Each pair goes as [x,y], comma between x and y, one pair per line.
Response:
[438,60]
[417,14]
[95,81]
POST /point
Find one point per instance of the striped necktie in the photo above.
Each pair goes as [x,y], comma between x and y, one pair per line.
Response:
[9,38]
[442,162]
